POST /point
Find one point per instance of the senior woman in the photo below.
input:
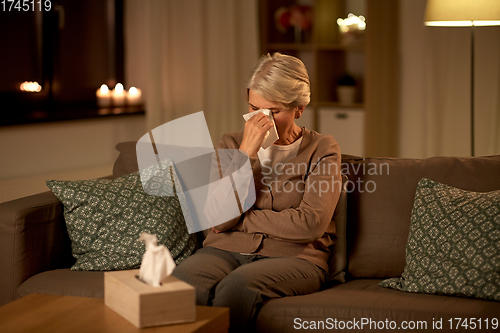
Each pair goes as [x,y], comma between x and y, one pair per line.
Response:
[279,247]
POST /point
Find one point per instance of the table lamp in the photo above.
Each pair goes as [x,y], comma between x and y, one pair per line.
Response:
[464,13]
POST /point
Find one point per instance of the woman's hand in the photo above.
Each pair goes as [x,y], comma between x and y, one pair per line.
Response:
[254,134]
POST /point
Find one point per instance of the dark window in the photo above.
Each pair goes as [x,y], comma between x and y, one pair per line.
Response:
[69,50]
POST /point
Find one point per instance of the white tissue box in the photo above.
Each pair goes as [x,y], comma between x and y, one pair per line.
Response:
[144,305]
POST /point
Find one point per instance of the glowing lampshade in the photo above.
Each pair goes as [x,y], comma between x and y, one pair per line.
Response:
[462,13]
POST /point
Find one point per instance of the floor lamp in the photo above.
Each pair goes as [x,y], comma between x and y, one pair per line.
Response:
[464,13]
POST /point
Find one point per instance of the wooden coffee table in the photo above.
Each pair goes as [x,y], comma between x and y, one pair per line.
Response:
[51,313]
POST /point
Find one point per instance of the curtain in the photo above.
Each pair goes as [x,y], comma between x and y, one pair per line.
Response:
[192,55]
[487,88]
[435,87]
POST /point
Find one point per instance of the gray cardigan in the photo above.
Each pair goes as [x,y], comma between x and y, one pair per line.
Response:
[294,219]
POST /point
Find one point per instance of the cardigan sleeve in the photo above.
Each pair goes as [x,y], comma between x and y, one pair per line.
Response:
[309,221]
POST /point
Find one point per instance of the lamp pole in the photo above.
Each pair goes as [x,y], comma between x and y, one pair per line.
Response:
[472,89]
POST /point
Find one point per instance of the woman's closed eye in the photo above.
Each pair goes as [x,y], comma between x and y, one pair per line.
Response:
[273,110]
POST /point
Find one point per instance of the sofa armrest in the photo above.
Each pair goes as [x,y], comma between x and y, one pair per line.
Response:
[33,239]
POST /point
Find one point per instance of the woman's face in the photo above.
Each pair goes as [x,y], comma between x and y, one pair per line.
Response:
[283,118]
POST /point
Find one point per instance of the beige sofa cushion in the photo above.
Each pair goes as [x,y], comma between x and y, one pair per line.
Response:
[380,200]
[64,282]
[363,299]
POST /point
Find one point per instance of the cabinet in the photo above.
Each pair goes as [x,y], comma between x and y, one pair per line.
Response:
[326,55]
[346,125]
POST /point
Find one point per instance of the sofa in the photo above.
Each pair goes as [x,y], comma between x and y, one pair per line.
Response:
[372,217]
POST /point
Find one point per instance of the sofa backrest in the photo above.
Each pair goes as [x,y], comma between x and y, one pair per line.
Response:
[380,194]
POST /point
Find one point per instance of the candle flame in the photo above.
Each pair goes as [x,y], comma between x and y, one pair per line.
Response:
[119,88]
[104,89]
[132,91]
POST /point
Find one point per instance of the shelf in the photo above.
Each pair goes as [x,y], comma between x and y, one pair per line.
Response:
[339,105]
[327,54]
[291,46]
[314,46]
[70,113]
[343,47]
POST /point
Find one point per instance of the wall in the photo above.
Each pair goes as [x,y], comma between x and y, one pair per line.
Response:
[79,149]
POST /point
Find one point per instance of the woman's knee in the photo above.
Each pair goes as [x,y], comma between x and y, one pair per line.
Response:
[184,271]
[234,288]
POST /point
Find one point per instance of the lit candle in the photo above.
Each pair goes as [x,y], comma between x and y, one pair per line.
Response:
[118,95]
[134,96]
[103,97]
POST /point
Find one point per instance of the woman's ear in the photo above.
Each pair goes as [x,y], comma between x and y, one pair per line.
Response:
[298,111]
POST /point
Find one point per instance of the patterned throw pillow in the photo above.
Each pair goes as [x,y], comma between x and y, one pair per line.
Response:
[454,243]
[105,217]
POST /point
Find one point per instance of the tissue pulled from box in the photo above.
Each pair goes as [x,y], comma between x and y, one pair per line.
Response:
[271,135]
[157,262]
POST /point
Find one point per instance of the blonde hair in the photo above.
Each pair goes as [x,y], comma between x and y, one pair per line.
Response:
[282,79]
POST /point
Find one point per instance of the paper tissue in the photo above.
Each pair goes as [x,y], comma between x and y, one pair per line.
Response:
[272,134]
[157,262]
[150,296]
